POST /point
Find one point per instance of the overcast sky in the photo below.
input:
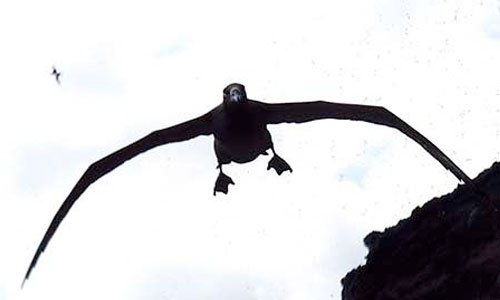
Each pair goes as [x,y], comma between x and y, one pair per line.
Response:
[152,229]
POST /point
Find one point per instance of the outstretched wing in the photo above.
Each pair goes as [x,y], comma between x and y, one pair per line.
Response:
[308,111]
[181,132]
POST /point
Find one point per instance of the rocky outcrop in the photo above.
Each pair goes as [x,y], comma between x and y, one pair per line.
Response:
[447,249]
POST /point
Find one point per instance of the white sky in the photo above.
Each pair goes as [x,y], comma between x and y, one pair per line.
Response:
[152,229]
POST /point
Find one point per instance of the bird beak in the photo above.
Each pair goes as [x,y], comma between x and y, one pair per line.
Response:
[236,98]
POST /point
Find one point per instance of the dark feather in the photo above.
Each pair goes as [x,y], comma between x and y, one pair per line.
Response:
[308,111]
[177,133]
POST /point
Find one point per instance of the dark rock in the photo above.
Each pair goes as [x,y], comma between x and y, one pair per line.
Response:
[447,249]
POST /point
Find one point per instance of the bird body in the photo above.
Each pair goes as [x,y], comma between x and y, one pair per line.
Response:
[240,135]
[239,127]
[56,74]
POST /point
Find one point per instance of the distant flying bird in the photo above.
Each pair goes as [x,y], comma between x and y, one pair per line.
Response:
[56,74]
[239,127]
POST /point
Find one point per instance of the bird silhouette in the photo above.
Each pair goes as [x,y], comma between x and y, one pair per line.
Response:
[56,74]
[239,127]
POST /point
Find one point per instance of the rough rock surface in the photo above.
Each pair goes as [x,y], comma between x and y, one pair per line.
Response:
[447,249]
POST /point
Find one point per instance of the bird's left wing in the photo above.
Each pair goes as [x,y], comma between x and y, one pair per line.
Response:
[181,132]
[308,111]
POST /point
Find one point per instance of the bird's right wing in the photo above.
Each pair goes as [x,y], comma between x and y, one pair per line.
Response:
[181,132]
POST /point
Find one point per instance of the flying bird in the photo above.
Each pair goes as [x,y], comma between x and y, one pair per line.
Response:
[239,127]
[56,74]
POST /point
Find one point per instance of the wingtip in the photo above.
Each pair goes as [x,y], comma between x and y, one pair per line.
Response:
[26,276]
[28,272]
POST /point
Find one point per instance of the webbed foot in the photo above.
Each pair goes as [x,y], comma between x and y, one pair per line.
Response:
[222,183]
[279,164]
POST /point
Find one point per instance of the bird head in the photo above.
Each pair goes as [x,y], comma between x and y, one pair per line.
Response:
[235,94]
